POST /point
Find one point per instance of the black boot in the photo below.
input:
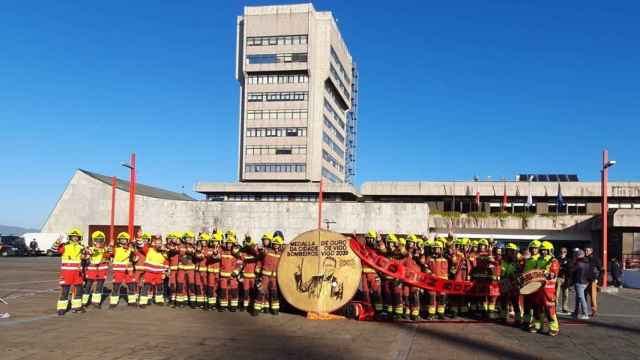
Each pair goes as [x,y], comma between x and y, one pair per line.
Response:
[275,312]
[233,309]
[61,312]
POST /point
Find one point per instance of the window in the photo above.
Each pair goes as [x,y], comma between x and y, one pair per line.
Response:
[278,96]
[276,40]
[336,117]
[336,77]
[286,168]
[333,129]
[277,58]
[276,132]
[327,140]
[252,97]
[329,175]
[294,78]
[330,159]
[277,114]
[334,55]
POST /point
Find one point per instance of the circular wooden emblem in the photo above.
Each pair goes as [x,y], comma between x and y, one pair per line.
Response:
[318,271]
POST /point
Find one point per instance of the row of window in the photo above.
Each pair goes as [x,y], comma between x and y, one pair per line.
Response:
[334,55]
[278,79]
[277,96]
[277,114]
[277,40]
[276,132]
[333,72]
[332,129]
[329,175]
[275,168]
[331,91]
[336,164]
[327,140]
[277,58]
[275,150]
[272,197]
[336,117]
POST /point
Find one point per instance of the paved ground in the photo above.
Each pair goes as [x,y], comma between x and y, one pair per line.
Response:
[34,332]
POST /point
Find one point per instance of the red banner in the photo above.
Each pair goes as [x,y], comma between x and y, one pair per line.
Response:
[420,279]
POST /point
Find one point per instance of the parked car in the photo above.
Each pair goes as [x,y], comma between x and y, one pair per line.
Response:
[12,246]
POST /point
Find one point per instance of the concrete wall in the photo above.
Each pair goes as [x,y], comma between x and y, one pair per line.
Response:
[86,201]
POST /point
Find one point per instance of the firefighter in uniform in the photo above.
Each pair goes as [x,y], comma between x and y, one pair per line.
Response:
[412,293]
[268,297]
[509,272]
[138,266]
[459,271]
[202,270]
[487,277]
[174,261]
[370,280]
[213,269]
[185,280]
[389,249]
[249,257]
[70,271]
[122,266]
[97,269]
[437,266]
[530,263]
[155,256]
[547,294]
[229,272]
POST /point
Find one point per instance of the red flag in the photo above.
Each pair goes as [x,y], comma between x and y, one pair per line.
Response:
[478,198]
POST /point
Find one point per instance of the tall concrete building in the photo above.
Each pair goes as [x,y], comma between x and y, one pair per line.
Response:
[298,96]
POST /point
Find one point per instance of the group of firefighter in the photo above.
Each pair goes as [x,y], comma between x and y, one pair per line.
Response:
[213,271]
[494,268]
[210,271]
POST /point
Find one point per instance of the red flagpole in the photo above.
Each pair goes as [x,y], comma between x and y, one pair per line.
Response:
[132,195]
[320,197]
[113,210]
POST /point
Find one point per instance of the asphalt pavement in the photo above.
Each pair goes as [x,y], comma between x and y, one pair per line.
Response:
[29,286]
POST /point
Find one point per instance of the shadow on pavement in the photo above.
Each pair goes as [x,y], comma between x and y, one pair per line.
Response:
[616,326]
[477,346]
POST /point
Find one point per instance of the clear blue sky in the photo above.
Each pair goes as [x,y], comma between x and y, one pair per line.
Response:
[447,91]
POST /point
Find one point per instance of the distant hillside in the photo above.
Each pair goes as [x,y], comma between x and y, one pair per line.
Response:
[15,230]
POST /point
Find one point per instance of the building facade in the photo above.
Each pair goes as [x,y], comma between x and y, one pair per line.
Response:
[297,86]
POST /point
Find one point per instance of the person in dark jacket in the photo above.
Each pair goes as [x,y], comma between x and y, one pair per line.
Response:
[581,277]
[595,269]
[615,269]
[563,282]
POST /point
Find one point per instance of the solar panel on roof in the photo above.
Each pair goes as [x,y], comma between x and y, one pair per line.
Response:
[563,178]
[553,178]
[573,177]
[542,177]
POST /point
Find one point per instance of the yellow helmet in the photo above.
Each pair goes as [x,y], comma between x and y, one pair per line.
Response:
[188,234]
[230,240]
[412,238]
[535,244]
[75,232]
[230,233]
[402,241]
[438,244]
[146,236]
[465,241]
[278,240]
[124,235]
[372,234]
[547,245]
[248,240]
[484,242]
[512,246]
[420,243]
[267,236]
[474,243]
[205,236]
[98,235]
[217,236]
[429,242]
[392,238]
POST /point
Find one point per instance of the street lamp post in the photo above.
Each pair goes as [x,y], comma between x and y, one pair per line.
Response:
[132,193]
[606,164]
